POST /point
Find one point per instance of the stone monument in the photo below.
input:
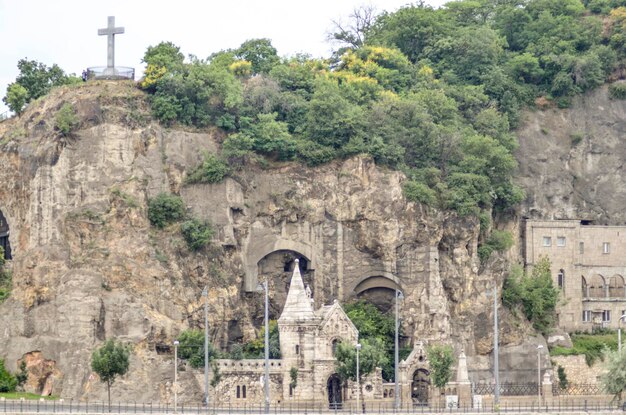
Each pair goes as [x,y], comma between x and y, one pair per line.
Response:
[110,71]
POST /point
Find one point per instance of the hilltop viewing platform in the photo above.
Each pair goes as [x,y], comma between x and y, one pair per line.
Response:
[104,72]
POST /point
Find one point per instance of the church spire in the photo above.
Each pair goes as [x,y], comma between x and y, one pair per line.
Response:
[298,305]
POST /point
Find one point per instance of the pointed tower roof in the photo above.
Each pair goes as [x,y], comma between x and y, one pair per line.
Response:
[298,305]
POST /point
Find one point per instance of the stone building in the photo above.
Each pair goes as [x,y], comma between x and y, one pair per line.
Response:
[308,341]
[588,264]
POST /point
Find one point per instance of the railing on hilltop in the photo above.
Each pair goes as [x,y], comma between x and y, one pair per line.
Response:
[103,72]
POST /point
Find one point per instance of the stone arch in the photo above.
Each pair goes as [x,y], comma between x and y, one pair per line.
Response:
[266,248]
[597,286]
[616,286]
[4,236]
[378,289]
[420,383]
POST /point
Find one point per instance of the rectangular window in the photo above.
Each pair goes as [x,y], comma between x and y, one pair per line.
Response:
[560,241]
[297,349]
[581,247]
[586,316]
[561,279]
[547,241]
[606,248]
[238,391]
[290,390]
[606,316]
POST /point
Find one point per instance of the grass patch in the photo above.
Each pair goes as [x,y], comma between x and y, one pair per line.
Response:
[590,345]
[26,395]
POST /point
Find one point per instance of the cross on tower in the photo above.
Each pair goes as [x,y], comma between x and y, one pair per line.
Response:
[110,31]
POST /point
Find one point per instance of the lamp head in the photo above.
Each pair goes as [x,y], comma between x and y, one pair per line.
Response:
[260,287]
[358,346]
[176,342]
[400,295]
[540,346]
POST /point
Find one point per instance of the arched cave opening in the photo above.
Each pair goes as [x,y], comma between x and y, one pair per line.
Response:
[378,290]
[4,236]
[277,268]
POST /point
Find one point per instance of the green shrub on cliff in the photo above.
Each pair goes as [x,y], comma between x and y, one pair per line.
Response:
[212,170]
[196,233]
[165,209]
[8,382]
[66,119]
[535,294]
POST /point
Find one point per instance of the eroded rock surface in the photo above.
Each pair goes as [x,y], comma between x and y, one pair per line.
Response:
[87,265]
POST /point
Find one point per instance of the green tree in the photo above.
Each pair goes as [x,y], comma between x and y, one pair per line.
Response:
[8,383]
[164,209]
[255,349]
[16,97]
[371,356]
[440,358]
[110,361]
[166,55]
[212,170]
[614,378]
[38,79]
[260,53]
[191,347]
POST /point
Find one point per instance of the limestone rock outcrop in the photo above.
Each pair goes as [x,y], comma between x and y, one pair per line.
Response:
[87,265]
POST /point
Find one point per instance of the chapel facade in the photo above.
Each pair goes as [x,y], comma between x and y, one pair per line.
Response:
[588,264]
[308,341]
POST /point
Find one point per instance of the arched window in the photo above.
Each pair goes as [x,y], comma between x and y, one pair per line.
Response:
[597,287]
[584,287]
[243,390]
[560,279]
[297,349]
[616,286]
[333,346]
[238,391]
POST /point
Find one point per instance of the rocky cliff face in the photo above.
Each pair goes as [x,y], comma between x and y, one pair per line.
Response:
[572,160]
[87,265]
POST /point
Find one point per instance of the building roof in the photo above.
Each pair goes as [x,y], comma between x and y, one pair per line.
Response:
[298,306]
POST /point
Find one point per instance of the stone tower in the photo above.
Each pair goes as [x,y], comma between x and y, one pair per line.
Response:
[297,326]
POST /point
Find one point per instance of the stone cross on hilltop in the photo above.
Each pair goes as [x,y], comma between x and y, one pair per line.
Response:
[110,31]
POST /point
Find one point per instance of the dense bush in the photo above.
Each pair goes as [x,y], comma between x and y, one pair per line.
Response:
[191,348]
[66,119]
[196,233]
[592,346]
[534,293]
[379,329]
[5,279]
[211,170]
[8,382]
[498,241]
[165,209]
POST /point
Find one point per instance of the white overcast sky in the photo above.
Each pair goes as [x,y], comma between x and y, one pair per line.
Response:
[65,31]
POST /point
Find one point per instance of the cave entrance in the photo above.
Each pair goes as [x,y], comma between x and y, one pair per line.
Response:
[277,268]
[378,290]
[419,387]
[4,236]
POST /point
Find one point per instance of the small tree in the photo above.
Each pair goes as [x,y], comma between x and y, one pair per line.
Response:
[16,98]
[441,359]
[7,380]
[22,376]
[293,375]
[197,233]
[371,356]
[191,347]
[614,379]
[110,361]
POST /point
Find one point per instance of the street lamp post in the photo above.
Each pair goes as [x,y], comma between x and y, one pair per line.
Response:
[205,294]
[399,296]
[176,376]
[619,333]
[496,344]
[358,380]
[539,347]
[260,287]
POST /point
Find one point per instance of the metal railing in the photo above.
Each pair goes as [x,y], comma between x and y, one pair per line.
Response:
[103,72]
[507,389]
[101,407]
[578,389]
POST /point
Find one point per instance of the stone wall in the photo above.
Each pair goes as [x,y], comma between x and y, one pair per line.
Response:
[576,369]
